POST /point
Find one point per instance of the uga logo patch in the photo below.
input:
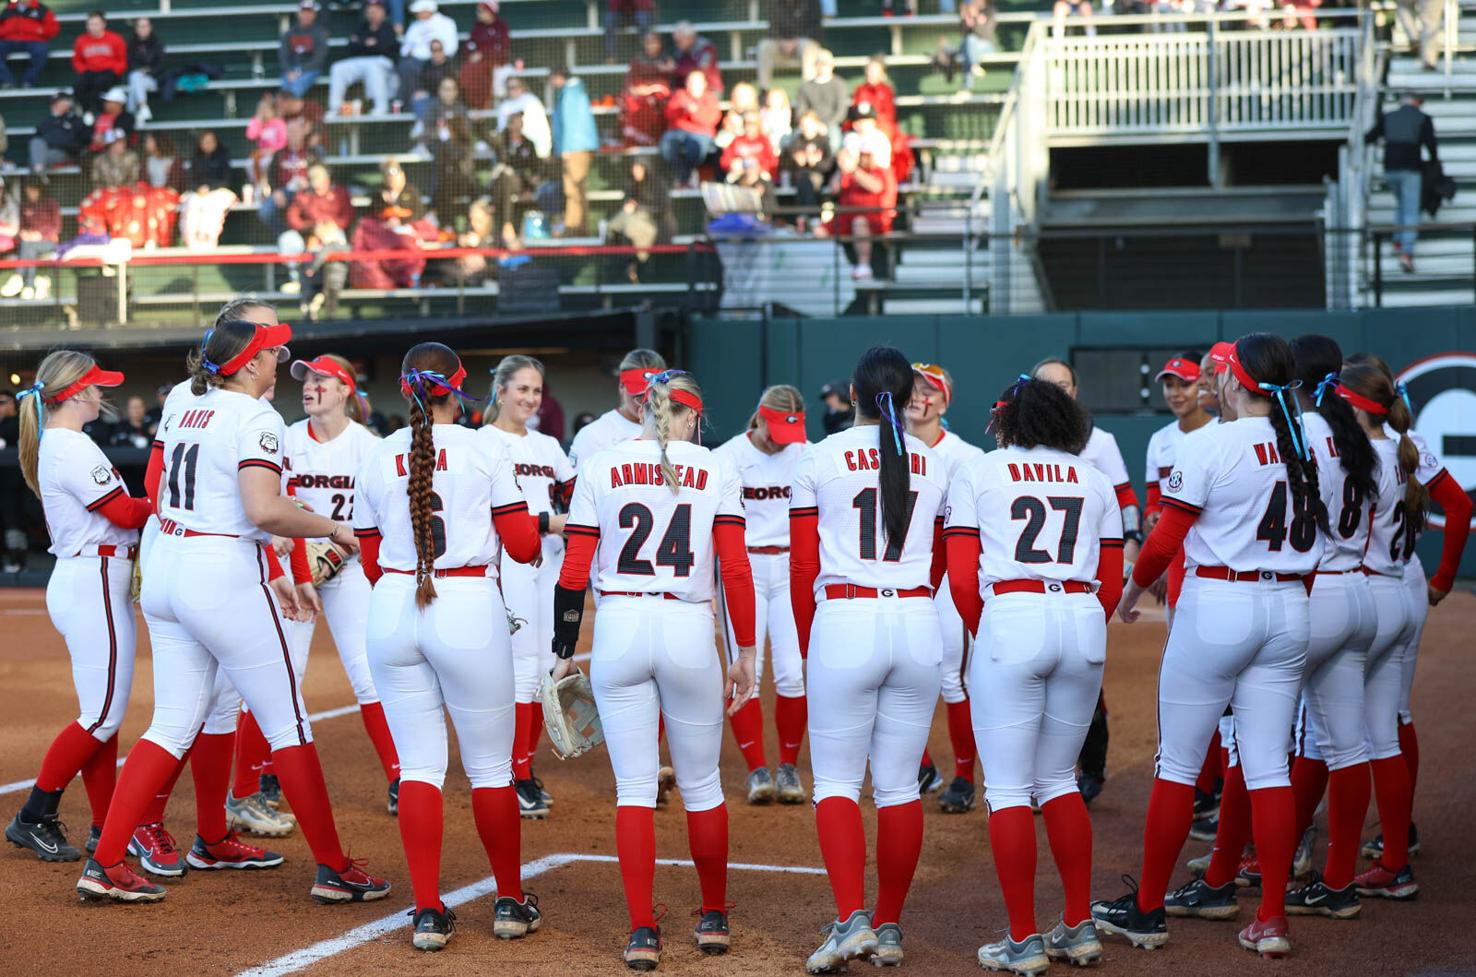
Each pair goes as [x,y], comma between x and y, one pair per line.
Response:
[102,475]
[269,443]
[1176,481]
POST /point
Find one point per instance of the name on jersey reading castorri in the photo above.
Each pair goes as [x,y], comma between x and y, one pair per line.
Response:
[648,473]
[762,493]
[323,481]
[523,468]
[1042,472]
[402,463]
[196,418]
[869,460]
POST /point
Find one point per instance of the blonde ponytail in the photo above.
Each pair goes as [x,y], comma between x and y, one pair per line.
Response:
[661,411]
[56,373]
[1416,502]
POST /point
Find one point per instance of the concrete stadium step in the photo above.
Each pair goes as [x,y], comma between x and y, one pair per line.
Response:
[1425,297]
[912,306]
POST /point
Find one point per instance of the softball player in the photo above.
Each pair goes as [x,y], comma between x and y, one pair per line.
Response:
[932,392]
[207,604]
[1179,381]
[1032,532]
[652,514]
[436,502]
[546,479]
[865,525]
[1246,501]
[765,458]
[93,525]
[624,422]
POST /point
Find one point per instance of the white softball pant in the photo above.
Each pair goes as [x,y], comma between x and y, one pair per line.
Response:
[774,617]
[87,598]
[209,610]
[956,643]
[654,657]
[454,656]
[874,681]
[1241,644]
[1343,625]
[1419,610]
[528,593]
[1040,657]
[1383,677]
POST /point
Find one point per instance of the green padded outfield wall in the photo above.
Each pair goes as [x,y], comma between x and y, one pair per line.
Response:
[735,359]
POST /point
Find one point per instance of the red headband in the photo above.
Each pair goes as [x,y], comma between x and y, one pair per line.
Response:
[324,366]
[94,377]
[635,381]
[435,387]
[1247,381]
[685,398]
[1361,402]
[785,427]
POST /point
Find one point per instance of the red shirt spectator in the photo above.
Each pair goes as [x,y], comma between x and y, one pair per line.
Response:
[490,41]
[689,113]
[27,21]
[696,53]
[106,52]
[320,202]
[751,147]
[40,214]
[647,88]
[883,101]
[881,193]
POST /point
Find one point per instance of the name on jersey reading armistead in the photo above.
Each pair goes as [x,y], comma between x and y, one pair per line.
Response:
[649,473]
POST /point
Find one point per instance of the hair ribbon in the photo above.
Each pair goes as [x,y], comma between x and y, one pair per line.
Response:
[888,409]
[1329,382]
[34,390]
[1402,388]
[1292,411]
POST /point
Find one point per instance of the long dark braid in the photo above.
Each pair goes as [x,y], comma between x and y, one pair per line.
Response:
[1319,362]
[1268,359]
[433,358]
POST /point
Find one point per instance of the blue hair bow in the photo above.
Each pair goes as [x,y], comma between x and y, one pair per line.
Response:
[1323,386]
[34,390]
[1292,411]
[205,361]
[665,376]
[1402,389]
[889,411]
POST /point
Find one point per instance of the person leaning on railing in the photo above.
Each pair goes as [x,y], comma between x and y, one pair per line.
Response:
[1405,131]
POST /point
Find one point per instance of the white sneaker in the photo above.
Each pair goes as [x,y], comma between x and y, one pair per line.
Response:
[43,286]
[28,293]
[12,286]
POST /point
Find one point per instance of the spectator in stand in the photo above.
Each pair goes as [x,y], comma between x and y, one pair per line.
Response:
[877,91]
[210,168]
[10,222]
[778,118]
[742,100]
[619,14]
[518,175]
[132,430]
[453,177]
[60,137]
[114,117]
[287,175]
[145,67]
[397,192]
[40,230]
[268,131]
[390,226]
[156,413]
[1068,9]
[429,25]
[644,216]
[1420,20]
[807,166]
[979,23]
[1405,132]
[100,58]
[695,53]
[867,201]
[487,58]
[535,126]
[372,51]
[576,141]
[26,27]
[692,116]
[750,152]
[203,209]
[471,269]
[117,165]
[161,165]
[293,107]
[319,202]
[825,94]
[647,87]
[303,53]
[793,41]
[428,78]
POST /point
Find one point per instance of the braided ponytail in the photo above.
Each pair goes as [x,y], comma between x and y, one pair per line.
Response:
[421,365]
[662,410]
[1268,359]
[1371,383]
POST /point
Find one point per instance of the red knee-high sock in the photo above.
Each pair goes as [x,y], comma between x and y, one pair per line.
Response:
[635,845]
[790,715]
[252,752]
[843,847]
[302,783]
[1274,827]
[372,713]
[961,736]
[899,838]
[1309,780]
[210,766]
[1409,748]
[522,755]
[1233,832]
[1012,843]
[1348,792]
[100,776]
[707,836]
[1214,766]
[146,770]
[72,748]
[501,828]
[535,731]
[155,812]
[422,823]
[748,730]
[1170,812]
[1391,787]
[1069,830]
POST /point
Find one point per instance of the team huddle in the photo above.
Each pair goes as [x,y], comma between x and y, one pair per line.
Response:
[884,567]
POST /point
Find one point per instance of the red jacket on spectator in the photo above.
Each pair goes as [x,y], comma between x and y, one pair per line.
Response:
[630,6]
[693,115]
[702,57]
[852,194]
[106,53]
[308,209]
[745,148]
[27,22]
[491,41]
[43,217]
[883,100]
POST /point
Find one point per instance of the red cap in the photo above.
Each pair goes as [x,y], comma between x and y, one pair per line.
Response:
[636,380]
[95,377]
[934,374]
[1186,370]
[785,427]
[324,366]
[1219,355]
[266,337]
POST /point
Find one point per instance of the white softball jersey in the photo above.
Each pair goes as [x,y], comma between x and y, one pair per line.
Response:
[471,480]
[767,482]
[661,541]
[323,473]
[1348,511]
[1163,449]
[840,477]
[539,465]
[76,480]
[610,428]
[1103,454]
[1388,536]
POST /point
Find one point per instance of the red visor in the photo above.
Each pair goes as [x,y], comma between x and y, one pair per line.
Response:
[934,375]
[635,381]
[1219,355]
[266,337]
[323,366]
[686,399]
[95,377]
[1186,370]
[1247,381]
[1361,402]
[785,427]
[434,388]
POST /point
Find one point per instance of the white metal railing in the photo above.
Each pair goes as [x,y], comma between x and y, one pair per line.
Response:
[1346,211]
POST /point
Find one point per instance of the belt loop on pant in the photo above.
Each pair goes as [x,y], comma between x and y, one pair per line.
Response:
[126,552]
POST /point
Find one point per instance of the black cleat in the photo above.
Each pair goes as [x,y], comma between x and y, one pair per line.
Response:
[958,798]
[643,951]
[928,778]
[47,838]
[432,928]
[1090,785]
[1198,898]
[530,799]
[271,790]
[393,802]
[1315,898]
[712,932]
[1123,917]
[513,920]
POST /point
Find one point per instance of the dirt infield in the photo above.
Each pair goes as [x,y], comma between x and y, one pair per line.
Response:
[232,922]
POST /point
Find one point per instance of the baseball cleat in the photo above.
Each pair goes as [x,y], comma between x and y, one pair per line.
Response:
[711,932]
[1206,806]
[1077,944]
[1381,883]
[787,781]
[665,781]
[1199,899]
[230,852]
[888,946]
[1206,829]
[530,800]
[928,778]
[1316,898]
[1201,864]
[1248,875]
[643,949]
[1090,785]
[1375,848]
[393,800]
[117,882]
[958,798]
[94,835]
[513,920]
[157,852]
[543,792]
[761,788]
[270,789]
[849,939]
[1302,860]
[47,838]
[1269,938]
[1026,958]
[1123,917]
[254,815]
[432,928]
[350,884]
